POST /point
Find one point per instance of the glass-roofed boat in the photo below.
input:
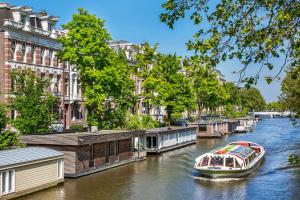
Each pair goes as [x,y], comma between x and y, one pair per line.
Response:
[237,159]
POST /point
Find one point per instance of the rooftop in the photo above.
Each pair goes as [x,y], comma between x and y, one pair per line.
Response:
[79,138]
[25,155]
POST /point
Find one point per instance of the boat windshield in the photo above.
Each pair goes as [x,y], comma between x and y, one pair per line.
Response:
[217,161]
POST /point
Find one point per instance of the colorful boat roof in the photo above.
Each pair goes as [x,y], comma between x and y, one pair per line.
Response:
[237,150]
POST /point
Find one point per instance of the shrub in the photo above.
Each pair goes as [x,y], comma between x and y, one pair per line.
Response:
[3,117]
[140,122]
[9,139]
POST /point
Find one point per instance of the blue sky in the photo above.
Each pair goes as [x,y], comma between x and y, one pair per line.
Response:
[138,21]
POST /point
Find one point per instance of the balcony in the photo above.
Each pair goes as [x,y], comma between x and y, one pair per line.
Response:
[37,30]
[9,23]
[13,24]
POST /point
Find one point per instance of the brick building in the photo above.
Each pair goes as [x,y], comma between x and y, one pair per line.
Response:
[29,40]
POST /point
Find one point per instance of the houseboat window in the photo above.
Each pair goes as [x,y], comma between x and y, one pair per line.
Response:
[205,161]
[202,128]
[60,169]
[154,142]
[148,142]
[8,181]
[229,162]
[237,164]
[217,161]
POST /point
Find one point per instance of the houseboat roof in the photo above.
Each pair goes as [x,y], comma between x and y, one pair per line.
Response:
[238,150]
[167,130]
[79,138]
[25,155]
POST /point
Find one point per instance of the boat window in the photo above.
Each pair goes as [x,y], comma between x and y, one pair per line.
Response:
[229,162]
[237,164]
[217,161]
[205,161]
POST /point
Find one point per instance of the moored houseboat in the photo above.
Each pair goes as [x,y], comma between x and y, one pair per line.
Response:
[237,159]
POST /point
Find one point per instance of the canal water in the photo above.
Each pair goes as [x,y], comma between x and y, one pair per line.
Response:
[171,175]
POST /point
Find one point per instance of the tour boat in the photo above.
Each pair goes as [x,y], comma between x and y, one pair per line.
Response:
[237,159]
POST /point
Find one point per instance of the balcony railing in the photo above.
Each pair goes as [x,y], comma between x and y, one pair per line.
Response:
[13,24]
[37,30]
[18,25]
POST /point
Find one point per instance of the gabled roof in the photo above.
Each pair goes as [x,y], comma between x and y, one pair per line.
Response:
[26,155]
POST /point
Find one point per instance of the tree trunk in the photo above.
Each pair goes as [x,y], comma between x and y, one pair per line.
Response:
[200,108]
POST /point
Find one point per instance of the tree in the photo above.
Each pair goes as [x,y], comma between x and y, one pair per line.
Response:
[206,87]
[170,87]
[291,91]
[32,102]
[251,99]
[145,60]
[3,117]
[275,106]
[8,140]
[251,31]
[104,73]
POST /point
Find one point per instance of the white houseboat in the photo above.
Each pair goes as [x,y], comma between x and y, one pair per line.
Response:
[236,159]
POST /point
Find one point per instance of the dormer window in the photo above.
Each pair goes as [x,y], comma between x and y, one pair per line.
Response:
[35,22]
[23,19]
[50,26]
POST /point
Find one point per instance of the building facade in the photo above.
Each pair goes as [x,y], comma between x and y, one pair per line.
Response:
[141,106]
[29,40]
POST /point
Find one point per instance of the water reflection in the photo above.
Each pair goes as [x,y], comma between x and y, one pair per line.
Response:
[171,175]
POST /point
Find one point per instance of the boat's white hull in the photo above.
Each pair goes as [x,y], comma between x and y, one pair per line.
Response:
[234,173]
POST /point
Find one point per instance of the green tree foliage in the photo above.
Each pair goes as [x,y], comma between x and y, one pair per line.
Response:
[8,140]
[105,74]
[140,122]
[251,31]
[170,87]
[206,87]
[291,91]
[251,99]
[3,117]
[32,102]
[145,60]
[276,106]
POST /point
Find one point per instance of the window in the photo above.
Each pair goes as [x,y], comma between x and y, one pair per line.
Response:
[13,48]
[50,27]
[43,75]
[217,161]
[35,22]
[7,182]
[42,56]
[229,162]
[50,57]
[205,161]
[23,19]
[32,53]
[57,85]
[237,164]
[60,171]
[23,52]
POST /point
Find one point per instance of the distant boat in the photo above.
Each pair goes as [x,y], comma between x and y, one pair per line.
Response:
[237,159]
[240,129]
